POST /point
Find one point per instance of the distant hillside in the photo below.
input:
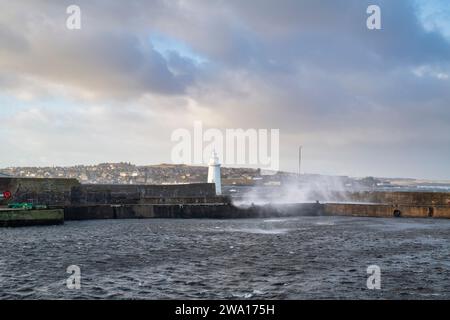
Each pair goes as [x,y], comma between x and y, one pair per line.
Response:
[127,173]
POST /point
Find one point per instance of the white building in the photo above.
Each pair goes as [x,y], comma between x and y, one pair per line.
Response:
[214,172]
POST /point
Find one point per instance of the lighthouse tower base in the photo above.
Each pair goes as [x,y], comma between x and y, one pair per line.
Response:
[214,173]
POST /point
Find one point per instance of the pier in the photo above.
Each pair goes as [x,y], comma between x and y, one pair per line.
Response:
[24,218]
[67,199]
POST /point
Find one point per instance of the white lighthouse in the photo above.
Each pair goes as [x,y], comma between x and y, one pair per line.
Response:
[214,172]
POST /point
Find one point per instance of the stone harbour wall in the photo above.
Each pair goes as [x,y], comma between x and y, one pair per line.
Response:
[134,194]
[39,191]
[188,211]
[406,198]
[67,192]
[386,210]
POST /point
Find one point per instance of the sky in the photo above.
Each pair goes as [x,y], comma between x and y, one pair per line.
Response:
[361,102]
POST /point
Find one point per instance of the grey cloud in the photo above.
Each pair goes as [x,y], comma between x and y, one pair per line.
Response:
[105,63]
[309,68]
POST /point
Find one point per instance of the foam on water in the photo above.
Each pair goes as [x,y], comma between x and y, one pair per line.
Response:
[325,223]
[258,230]
[280,220]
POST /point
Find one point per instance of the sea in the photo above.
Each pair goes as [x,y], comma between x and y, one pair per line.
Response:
[282,258]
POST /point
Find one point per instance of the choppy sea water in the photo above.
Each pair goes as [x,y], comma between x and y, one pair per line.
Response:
[292,258]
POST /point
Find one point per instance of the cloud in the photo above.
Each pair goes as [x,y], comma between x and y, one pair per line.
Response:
[309,68]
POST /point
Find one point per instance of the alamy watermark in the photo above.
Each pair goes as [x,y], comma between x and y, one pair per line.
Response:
[74,280]
[252,147]
[73,21]
[374,280]
[373,22]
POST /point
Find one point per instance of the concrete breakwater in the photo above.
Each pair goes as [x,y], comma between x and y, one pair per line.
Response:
[386,210]
[394,197]
[189,211]
[67,192]
[390,204]
[228,211]
[81,202]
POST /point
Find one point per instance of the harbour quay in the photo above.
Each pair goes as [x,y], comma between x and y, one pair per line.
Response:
[44,201]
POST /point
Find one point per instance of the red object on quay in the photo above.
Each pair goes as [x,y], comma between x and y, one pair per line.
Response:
[7,195]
